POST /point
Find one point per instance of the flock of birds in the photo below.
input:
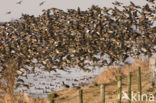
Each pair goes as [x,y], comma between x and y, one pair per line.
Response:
[41,85]
[58,39]
[62,40]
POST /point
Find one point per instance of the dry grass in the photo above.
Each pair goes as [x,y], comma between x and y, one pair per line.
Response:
[22,98]
[92,92]
[7,87]
[8,81]
[108,76]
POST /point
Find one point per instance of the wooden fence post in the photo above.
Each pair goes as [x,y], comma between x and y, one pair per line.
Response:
[102,93]
[139,82]
[152,67]
[80,96]
[129,86]
[119,89]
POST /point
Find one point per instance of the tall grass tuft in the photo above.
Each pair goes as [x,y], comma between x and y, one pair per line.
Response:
[7,81]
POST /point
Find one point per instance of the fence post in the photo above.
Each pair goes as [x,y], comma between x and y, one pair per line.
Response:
[139,82]
[52,101]
[119,80]
[102,93]
[80,96]
[129,86]
[152,67]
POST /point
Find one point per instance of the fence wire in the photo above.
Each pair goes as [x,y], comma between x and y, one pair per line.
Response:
[76,96]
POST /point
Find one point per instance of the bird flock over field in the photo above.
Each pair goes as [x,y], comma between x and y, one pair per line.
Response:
[58,39]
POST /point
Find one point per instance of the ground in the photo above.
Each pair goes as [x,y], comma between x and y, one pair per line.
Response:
[92,92]
[108,77]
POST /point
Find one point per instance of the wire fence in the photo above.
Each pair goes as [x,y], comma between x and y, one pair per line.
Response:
[80,97]
[76,96]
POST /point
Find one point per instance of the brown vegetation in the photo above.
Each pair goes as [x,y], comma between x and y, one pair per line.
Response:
[110,74]
[7,82]
[92,92]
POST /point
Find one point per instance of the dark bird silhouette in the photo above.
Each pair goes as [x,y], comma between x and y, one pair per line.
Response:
[19,2]
[65,85]
[42,3]
[150,1]
[9,12]
[117,3]
[20,80]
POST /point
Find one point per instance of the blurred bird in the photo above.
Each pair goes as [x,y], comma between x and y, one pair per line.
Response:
[19,2]
[117,3]
[150,1]
[20,80]
[9,12]
[26,85]
[42,3]
[65,85]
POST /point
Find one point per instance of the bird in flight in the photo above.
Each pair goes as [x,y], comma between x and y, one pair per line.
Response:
[9,12]
[19,2]
[117,3]
[150,1]
[42,3]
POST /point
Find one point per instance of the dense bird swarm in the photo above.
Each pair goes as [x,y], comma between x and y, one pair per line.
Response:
[58,39]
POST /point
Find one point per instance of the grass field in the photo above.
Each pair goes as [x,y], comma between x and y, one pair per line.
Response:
[92,91]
